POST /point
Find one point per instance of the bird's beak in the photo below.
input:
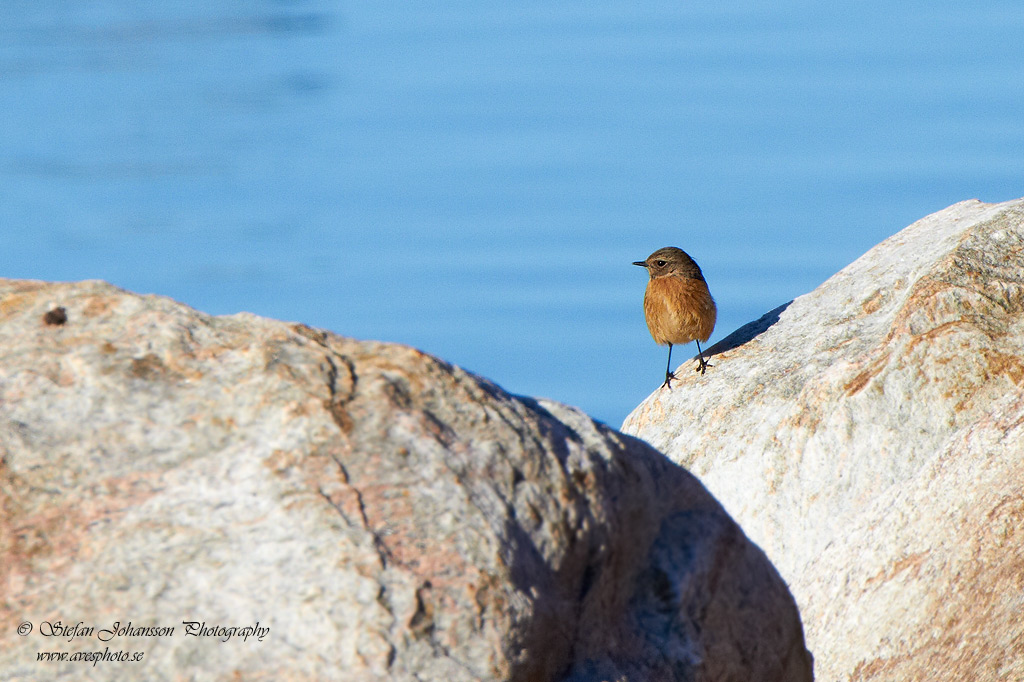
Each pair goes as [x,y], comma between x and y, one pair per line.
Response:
[641,263]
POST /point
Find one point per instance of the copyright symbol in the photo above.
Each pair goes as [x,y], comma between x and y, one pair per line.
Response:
[25,628]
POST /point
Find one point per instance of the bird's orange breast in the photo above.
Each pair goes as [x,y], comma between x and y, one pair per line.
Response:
[679,310]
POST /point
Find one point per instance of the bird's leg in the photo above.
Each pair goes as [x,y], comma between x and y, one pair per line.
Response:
[704,364]
[669,376]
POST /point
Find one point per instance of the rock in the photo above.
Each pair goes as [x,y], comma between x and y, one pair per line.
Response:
[357,510]
[869,436]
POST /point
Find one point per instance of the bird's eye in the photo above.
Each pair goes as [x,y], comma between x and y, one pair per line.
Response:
[660,263]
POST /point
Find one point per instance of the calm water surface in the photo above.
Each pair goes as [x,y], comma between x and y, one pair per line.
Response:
[475,179]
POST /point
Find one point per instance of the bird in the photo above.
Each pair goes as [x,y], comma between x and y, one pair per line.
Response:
[677,303]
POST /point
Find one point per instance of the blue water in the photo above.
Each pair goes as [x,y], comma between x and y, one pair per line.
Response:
[475,179]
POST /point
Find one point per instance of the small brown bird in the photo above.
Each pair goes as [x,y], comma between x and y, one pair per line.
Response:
[677,303]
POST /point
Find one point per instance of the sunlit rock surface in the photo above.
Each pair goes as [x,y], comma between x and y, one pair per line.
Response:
[869,436]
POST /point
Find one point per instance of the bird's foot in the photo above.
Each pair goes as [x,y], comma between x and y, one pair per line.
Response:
[669,376]
[702,366]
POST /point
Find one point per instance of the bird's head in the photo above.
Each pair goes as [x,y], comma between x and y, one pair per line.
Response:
[671,261]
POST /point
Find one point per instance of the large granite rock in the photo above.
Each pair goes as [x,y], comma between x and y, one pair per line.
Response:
[368,512]
[870,437]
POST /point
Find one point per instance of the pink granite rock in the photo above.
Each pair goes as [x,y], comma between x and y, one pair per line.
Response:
[369,512]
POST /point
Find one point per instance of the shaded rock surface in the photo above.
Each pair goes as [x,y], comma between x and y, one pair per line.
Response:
[386,515]
[870,437]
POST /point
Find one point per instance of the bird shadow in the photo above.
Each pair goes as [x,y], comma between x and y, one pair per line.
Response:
[747,332]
